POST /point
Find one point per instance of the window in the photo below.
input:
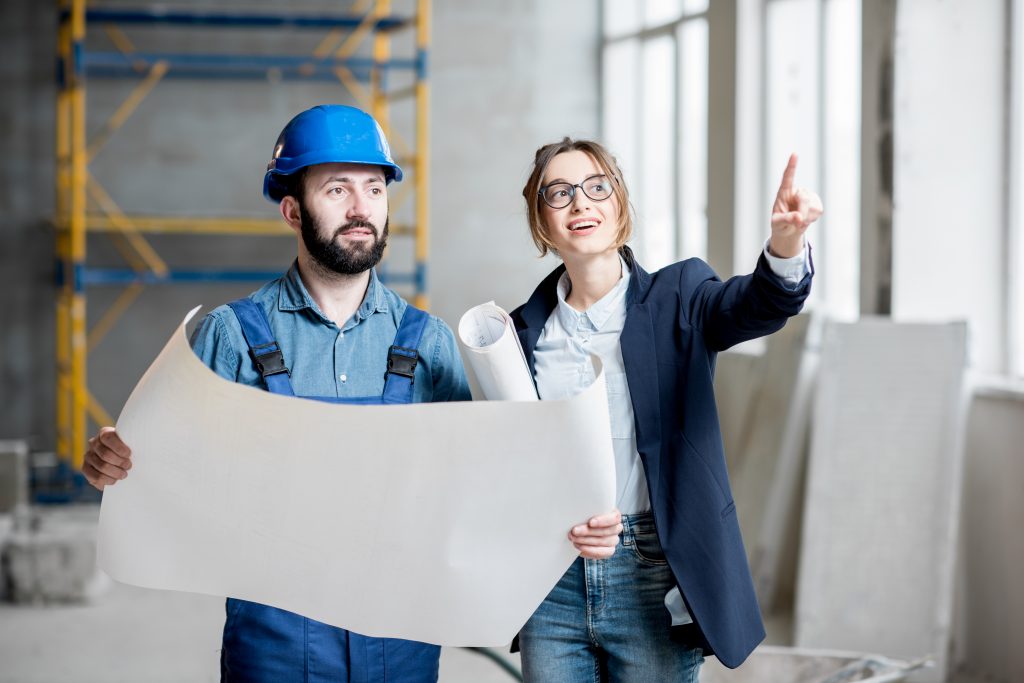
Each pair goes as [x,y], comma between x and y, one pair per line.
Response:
[654,120]
[1015,233]
[810,80]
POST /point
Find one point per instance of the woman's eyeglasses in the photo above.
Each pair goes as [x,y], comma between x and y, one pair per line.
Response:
[561,195]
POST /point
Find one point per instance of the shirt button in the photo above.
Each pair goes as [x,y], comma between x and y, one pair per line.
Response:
[343,378]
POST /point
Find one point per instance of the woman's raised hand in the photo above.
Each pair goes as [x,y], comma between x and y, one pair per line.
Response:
[794,210]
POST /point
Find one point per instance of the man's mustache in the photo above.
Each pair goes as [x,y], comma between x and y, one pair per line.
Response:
[358,224]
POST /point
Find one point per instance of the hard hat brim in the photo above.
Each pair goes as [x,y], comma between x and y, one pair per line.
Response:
[275,190]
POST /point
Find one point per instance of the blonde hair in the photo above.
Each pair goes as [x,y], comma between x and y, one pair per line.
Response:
[605,161]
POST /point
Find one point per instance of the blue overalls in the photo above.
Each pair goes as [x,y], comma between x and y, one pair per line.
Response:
[264,644]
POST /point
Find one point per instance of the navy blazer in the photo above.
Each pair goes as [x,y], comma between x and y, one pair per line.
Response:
[677,320]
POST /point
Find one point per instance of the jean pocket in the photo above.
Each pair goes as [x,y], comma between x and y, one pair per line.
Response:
[647,548]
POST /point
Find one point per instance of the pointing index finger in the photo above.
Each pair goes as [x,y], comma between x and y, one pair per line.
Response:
[789,174]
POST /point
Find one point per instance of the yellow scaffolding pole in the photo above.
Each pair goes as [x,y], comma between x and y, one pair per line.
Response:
[130,104]
[423,155]
[121,223]
[381,53]
[109,319]
[189,225]
[73,284]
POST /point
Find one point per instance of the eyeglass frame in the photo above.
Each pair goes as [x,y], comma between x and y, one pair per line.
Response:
[572,190]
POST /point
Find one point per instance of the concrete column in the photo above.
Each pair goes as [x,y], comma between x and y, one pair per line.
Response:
[949,158]
[878,37]
[722,19]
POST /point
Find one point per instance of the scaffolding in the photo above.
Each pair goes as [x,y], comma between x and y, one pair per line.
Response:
[84,206]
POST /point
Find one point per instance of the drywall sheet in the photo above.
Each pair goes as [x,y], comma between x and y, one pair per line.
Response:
[444,522]
[767,480]
[883,491]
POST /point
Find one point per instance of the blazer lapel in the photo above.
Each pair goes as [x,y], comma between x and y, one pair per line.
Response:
[528,338]
[640,357]
[534,314]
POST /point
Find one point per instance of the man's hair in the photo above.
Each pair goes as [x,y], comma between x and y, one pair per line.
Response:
[295,184]
[604,160]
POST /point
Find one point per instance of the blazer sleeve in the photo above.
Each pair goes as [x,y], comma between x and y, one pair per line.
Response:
[741,308]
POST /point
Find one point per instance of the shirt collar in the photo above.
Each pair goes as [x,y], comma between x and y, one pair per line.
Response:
[600,311]
[295,297]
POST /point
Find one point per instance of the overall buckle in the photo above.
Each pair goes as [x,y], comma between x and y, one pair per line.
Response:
[270,362]
[402,361]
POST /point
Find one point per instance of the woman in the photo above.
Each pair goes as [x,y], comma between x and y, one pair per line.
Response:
[666,582]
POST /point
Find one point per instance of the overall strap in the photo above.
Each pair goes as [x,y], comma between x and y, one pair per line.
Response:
[403,356]
[263,348]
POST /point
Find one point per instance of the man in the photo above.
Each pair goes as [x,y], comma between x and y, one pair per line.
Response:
[327,330]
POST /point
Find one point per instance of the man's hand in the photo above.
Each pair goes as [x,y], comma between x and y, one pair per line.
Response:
[794,210]
[596,540]
[108,459]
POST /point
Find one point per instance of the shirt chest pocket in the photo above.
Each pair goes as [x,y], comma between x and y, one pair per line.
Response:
[620,408]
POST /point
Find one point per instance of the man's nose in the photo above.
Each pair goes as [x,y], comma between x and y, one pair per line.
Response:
[359,207]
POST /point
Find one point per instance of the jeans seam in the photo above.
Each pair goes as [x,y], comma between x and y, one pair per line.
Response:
[695,666]
[586,599]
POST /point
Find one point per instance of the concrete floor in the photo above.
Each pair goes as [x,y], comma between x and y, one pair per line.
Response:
[132,634]
[124,633]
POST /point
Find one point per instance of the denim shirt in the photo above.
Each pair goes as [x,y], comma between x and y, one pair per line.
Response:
[328,361]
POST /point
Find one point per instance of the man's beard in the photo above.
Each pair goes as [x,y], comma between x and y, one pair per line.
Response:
[330,255]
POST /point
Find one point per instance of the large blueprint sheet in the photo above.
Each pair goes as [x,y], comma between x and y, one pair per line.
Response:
[445,522]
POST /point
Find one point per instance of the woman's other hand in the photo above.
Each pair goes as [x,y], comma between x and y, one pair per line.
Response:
[596,539]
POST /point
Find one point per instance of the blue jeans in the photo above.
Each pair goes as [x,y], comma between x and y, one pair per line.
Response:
[606,621]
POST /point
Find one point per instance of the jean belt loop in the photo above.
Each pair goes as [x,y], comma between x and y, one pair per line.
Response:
[627,530]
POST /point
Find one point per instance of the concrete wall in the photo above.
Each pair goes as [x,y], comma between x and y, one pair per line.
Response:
[494,103]
[26,239]
[950,142]
[200,148]
[989,623]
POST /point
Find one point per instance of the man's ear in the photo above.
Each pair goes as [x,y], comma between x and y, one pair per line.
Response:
[291,213]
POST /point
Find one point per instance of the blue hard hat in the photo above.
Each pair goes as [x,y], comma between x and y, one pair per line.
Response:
[324,134]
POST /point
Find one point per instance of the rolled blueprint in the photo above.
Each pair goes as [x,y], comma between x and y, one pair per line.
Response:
[493,351]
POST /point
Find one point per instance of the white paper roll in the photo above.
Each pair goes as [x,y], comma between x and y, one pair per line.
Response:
[493,351]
